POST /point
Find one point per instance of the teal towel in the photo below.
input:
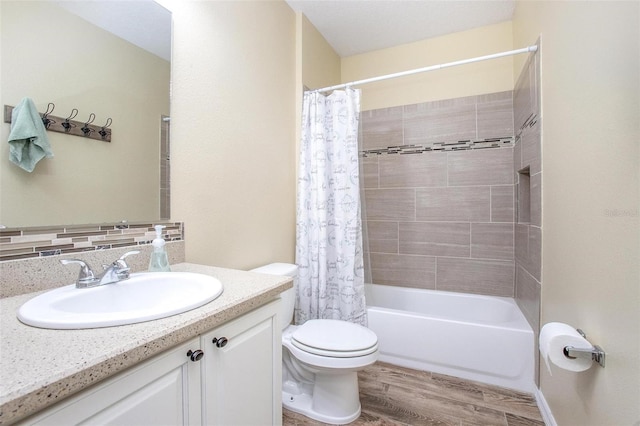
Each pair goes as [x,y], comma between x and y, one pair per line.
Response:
[28,138]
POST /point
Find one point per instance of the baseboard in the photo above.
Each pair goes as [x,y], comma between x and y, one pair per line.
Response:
[545,411]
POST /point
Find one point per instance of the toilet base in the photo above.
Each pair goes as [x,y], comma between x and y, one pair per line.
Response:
[333,398]
[303,404]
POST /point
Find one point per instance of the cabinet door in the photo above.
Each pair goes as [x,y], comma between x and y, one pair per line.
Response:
[242,377]
[162,391]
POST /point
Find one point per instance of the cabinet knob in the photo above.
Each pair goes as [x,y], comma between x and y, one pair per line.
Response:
[195,355]
[220,342]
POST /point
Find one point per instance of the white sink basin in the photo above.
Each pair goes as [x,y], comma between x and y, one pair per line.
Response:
[143,297]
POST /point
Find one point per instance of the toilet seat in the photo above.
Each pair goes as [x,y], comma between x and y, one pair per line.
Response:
[334,338]
[350,352]
[335,354]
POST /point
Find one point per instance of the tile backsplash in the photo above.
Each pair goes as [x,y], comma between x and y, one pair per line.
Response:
[23,243]
[30,257]
[23,276]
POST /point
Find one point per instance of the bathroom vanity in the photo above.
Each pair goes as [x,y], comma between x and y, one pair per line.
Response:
[217,364]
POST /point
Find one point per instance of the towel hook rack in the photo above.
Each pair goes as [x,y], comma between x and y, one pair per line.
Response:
[86,129]
[45,117]
[68,125]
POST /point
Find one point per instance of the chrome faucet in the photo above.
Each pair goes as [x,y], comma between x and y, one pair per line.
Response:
[117,271]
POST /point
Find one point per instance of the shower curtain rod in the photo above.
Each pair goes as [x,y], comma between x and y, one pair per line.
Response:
[429,68]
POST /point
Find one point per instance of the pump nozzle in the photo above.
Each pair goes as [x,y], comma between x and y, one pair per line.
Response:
[159,229]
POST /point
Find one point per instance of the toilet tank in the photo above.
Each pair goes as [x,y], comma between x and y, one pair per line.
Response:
[288,296]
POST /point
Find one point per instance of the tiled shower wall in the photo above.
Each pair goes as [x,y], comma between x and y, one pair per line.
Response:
[441,219]
[527,166]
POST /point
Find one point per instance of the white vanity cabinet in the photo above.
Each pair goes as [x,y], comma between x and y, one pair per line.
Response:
[242,370]
[235,381]
[163,390]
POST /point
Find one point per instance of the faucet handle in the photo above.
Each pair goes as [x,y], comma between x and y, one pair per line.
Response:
[129,253]
[121,262]
[85,276]
[123,268]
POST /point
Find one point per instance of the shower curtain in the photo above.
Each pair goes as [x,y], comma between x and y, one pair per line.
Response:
[328,221]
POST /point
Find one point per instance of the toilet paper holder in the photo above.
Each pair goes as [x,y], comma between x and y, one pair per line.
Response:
[596,353]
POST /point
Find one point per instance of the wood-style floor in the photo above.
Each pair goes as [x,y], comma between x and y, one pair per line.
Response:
[392,395]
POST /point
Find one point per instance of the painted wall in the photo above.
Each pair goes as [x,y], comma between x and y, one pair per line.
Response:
[467,80]
[320,64]
[590,77]
[232,131]
[51,55]
[317,65]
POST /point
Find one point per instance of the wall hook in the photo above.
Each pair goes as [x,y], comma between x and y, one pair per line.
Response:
[68,125]
[103,132]
[45,117]
[86,129]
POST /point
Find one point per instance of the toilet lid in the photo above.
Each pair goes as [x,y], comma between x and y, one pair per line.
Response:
[334,338]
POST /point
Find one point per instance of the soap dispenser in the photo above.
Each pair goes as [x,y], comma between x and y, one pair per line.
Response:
[159,260]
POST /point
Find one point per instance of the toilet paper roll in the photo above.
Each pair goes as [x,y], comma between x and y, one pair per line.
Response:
[554,336]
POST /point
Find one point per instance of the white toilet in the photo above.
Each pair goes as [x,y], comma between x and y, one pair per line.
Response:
[320,360]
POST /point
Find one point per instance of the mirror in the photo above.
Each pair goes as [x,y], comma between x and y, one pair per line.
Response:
[52,55]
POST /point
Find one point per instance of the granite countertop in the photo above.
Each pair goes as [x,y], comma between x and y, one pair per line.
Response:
[39,367]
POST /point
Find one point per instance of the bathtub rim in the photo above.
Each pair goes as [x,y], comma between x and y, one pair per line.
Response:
[520,322]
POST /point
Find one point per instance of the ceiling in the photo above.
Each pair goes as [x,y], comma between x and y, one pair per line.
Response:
[144,23]
[350,26]
[357,26]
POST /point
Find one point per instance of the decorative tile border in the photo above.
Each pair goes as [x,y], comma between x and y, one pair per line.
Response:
[442,146]
[24,243]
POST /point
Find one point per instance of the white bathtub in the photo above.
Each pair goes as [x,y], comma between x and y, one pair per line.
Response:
[474,337]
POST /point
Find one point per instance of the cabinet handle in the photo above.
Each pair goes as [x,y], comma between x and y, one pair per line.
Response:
[195,355]
[220,342]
